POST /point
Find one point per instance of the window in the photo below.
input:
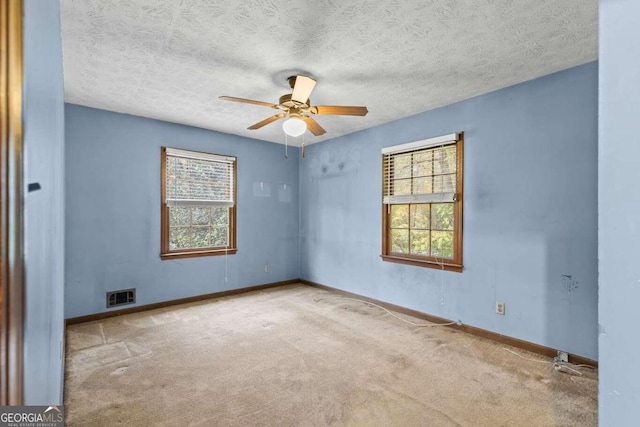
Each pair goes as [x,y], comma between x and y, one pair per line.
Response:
[198,213]
[422,203]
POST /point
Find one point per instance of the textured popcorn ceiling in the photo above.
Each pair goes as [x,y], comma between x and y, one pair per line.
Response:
[171,59]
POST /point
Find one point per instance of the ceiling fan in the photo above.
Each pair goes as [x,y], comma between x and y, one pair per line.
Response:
[297,108]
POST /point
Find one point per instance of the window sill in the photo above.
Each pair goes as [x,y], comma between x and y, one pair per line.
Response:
[193,254]
[422,263]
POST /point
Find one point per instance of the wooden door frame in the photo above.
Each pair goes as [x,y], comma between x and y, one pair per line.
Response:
[11,203]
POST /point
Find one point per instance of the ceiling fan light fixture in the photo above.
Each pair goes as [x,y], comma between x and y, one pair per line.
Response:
[294,126]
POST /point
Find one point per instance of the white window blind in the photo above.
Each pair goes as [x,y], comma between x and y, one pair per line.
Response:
[199,179]
[421,172]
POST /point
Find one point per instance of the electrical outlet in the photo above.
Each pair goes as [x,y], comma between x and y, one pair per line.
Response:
[267,268]
[500,307]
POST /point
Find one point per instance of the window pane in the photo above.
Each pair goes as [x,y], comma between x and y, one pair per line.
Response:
[442,216]
[179,216]
[420,242]
[219,236]
[402,186]
[420,215]
[422,185]
[422,165]
[220,216]
[442,244]
[444,160]
[198,227]
[200,237]
[400,241]
[444,183]
[201,216]
[399,216]
[402,166]
[179,238]
[189,178]
[449,182]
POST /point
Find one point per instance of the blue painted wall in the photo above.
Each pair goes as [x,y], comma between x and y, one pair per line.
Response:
[619,213]
[530,213]
[44,210]
[113,212]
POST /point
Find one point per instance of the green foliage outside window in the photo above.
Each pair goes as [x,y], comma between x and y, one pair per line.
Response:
[422,229]
[198,227]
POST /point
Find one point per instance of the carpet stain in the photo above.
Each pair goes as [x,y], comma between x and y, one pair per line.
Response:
[119,371]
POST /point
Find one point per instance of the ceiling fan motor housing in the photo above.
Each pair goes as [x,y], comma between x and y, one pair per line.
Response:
[285,102]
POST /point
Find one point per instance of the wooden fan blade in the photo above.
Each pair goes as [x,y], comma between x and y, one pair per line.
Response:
[339,110]
[313,126]
[267,121]
[248,101]
[302,88]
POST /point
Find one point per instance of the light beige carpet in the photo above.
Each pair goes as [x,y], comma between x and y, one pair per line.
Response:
[291,356]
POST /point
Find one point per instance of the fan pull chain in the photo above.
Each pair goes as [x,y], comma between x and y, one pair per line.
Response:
[302,152]
[286,146]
